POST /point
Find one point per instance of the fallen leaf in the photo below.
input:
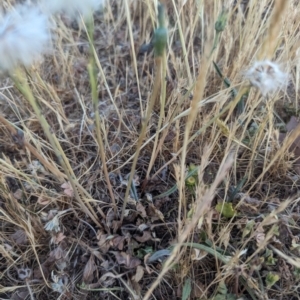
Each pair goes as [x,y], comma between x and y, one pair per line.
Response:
[68,190]
[58,253]
[116,225]
[141,209]
[154,213]
[20,294]
[43,201]
[295,147]
[198,254]
[19,237]
[143,227]
[138,274]
[110,217]
[88,271]
[18,194]
[102,242]
[136,288]
[260,235]
[126,259]
[108,279]
[118,242]
[198,290]
[56,239]
[292,124]
[144,238]
[225,236]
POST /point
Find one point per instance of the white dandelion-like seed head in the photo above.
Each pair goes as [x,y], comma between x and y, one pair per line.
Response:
[53,225]
[24,37]
[73,8]
[267,77]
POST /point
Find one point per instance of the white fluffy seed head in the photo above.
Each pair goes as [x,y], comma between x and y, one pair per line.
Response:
[24,37]
[72,8]
[267,77]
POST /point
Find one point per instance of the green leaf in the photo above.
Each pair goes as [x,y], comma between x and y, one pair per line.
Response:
[225,297]
[223,293]
[271,261]
[271,279]
[221,257]
[226,209]
[191,181]
[143,251]
[248,228]
[187,288]
[297,273]
[222,288]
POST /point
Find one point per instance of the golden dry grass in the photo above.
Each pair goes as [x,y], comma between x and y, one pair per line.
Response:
[108,236]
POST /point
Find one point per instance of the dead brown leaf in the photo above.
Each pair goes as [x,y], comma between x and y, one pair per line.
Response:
[20,294]
[58,253]
[102,242]
[138,274]
[199,290]
[126,259]
[56,239]
[144,238]
[136,288]
[141,209]
[108,279]
[43,201]
[116,225]
[295,147]
[154,213]
[110,217]
[260,235]
[18,194]
[88,271]
[292,124]
[285,270]
[20,237]
[68,190]
[118,242]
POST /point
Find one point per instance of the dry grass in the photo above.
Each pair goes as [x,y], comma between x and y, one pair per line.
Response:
[93,140]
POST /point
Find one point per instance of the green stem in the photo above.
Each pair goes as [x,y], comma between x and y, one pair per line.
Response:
[161,115]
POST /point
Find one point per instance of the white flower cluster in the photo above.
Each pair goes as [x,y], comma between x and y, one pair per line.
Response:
[24,37]
[267,77]
[72,8]
[25,30]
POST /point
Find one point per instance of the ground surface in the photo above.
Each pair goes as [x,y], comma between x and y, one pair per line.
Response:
[245,244]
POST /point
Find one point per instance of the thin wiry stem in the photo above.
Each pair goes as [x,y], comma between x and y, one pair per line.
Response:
[133,52]
[95,99]
[144,128]
[23,87]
